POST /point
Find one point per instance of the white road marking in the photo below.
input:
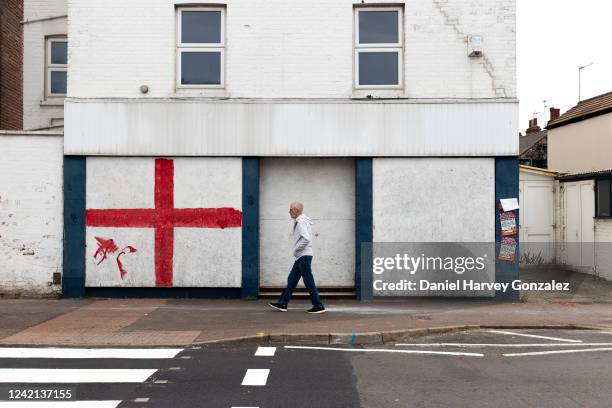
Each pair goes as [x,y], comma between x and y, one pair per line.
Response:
[73,375]
[541,353]
[448,353]
[265,351]
[257,377]
[141,400]
[39,352]
[535,336]
[59,404]
[468,345]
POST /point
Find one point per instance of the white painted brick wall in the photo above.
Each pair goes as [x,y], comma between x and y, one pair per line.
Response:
[37,9]
[291,49]
[37,112]
[31,220]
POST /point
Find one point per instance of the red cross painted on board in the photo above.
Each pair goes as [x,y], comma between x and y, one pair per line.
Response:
[164,218]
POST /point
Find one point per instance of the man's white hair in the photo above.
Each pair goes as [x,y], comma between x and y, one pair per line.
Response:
[296,205]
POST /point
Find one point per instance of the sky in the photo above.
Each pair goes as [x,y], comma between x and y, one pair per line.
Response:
[554,37]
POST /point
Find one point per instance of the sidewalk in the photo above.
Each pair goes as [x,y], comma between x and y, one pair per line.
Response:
[188,321]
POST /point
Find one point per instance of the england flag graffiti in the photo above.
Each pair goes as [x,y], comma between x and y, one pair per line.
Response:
[183,237]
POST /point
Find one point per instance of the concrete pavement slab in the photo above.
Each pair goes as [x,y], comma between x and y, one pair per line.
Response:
[185,321]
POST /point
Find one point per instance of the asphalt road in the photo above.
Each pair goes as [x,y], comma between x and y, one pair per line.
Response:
[475,369]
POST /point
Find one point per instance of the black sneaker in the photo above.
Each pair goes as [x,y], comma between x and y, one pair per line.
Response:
[316,309]
[278,306]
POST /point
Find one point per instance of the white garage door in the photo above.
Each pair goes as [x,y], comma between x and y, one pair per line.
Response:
[326,187]
[536,220]
[579,235]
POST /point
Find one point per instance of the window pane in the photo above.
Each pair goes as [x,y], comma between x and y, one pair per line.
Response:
[201,27]
[603,198]
[378,68]
[201,68]
[58,82]
[59,52]
[377,27]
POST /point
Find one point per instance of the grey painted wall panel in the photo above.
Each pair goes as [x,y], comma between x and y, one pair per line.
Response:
[326,187]
[290,128]
[434,200]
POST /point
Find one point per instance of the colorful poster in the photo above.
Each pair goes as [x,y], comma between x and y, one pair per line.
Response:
[507,249]
[508,224]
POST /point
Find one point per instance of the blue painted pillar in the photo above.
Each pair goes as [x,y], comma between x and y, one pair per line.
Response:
[73,280]
[506,186]
[250,226]
[363,227]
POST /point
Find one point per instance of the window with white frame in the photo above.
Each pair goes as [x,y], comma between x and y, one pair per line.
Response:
[56,66]
[200,50]
[378,47]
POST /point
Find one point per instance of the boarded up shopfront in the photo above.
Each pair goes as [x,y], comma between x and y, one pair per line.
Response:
[163,222]
[435,200]
[326,187]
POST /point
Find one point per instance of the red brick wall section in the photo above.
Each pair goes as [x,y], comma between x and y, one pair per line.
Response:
[11,61]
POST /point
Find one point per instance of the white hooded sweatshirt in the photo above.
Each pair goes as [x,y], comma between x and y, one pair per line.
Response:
[302,237]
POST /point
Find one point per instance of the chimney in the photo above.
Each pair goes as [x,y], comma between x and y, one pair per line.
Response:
[554,113]
[533,126]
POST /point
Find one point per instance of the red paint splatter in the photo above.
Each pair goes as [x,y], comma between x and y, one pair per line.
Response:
[122,271]
[164,218]
[105,246]
[108,246]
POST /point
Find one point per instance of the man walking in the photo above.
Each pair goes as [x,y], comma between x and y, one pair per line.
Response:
[302,252]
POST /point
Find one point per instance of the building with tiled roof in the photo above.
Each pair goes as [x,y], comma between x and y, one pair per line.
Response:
[580,140]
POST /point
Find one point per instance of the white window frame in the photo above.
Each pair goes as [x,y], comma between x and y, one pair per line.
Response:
[199,47]
[49,67]
[383,47]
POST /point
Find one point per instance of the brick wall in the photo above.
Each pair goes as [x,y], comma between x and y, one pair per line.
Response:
[31,220]
[38,111]
[291,49]
[39,9]
[42,18]
[11,59]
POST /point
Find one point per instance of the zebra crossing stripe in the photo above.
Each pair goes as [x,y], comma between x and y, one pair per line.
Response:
[265,351]
[256,377]
[73,375]
[127,353]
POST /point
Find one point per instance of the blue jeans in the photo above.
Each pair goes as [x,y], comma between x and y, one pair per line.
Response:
[301,269]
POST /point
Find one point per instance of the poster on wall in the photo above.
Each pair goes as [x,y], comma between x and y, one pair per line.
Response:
[507,249]
[508,224]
